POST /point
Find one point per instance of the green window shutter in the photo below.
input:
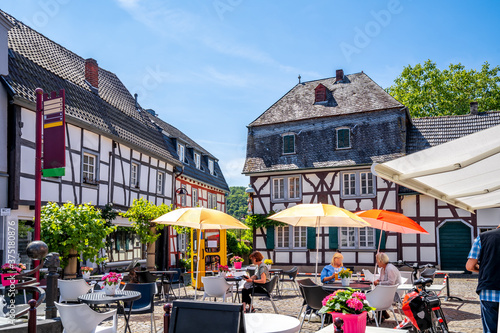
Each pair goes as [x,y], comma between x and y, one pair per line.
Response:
[288,144]
[333,238]
[311,238]
[343,138]
[382,240]
[117,241]
[270,238]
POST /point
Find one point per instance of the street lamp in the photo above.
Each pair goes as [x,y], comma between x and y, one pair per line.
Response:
[179,192]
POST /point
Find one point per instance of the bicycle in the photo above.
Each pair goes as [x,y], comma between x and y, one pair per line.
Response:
[421,307]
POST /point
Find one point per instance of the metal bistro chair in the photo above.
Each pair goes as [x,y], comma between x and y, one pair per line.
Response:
[80,318]
[71,289]
[145,304]
[313,295]
[292,275]
[178,279]
[304,282]
[268,287]
[147,277]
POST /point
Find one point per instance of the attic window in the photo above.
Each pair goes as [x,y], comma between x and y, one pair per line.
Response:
[289,144]
[320,94]
[197,160]
[211,167]
[180,152]
[343,138]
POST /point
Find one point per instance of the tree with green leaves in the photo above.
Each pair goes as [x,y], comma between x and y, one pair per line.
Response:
[72,231]
[237,202]
[141,213]
[428,91]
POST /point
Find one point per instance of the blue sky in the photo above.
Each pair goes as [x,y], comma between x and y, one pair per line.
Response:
[211,67]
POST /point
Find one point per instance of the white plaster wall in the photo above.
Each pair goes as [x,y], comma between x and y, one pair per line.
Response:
[28,119]
[89,195]
[125,152]
[430,228]
[306,186]
[365,258]
[136,155]
[104,172]
[118,196]
[103,194]
[50,191]
[4,54]
[408,238]
[428,254]
[279,207]
[74,137]
[257,207]
[161,165]
[350,205]
[329,256]
[258,184]
[154,161]
[69,195]
[170,167]
[392,242]
[409,253]
[348,256]
[390,201]
[27,188]
[336,184]
[365,204]
[152,181]
[145,158]
[282,257]
[392,256]
[408,205]
[90,140]
[488,217]
[27,160]
[299,257]
[427,206]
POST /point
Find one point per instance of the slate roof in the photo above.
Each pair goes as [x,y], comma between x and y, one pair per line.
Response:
[428,132]
[36,61]
[355,93]
[171,135]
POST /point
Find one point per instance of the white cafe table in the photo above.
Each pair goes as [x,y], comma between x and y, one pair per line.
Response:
[369,329]
[435,287]
[270,323]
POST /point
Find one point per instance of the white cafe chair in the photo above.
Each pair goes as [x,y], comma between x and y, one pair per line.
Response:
[80,318]
[216,286]
[70,289]
[381,298]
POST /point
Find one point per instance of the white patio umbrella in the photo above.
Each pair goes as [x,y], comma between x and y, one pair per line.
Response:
[319,215]
[200,218]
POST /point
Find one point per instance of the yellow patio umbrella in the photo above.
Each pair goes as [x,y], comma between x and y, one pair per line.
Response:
[319,215]
[200,218]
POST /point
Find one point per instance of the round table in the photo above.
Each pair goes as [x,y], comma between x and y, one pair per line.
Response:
[270,323]
[120,296]
[364,286]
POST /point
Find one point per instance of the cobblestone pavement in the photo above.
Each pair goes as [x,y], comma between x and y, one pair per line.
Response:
[462,317]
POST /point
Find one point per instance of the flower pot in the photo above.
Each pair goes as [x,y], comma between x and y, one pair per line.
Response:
[86,275]
[6,281]
[237,265]
[268,266]
[353,323]
[223,274]
[346,282]
[110,290]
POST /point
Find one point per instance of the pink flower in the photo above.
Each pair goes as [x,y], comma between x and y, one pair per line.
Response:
[359,295]
[327,298]
[355,304]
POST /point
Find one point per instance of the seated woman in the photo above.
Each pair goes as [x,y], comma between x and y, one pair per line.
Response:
[389,274]
[328,273]
[261,277]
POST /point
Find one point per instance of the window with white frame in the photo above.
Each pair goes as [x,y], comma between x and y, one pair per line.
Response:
[194,197]
[197,160]
[180,152]
[282,237]
[286,188]
[358,184]
[357,238]
[89,168]
[182,239]
[160,182]
[299,237]
[211,166]
[343,138]
[134,175]
[212,200]
[289,144]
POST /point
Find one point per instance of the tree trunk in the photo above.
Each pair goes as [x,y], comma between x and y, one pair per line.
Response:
[150,258]
[70,269]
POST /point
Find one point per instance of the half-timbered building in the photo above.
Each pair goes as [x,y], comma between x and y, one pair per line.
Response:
[318,143]
[116,151]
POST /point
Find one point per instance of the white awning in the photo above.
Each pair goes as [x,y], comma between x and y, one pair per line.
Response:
[464,172]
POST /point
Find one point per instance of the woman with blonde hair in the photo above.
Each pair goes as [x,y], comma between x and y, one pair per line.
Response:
[328,273]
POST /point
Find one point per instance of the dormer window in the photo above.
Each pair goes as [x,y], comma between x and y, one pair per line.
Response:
[181,152]
[343,138]
[320,94]
[197,160]
[211,166]
[289,143]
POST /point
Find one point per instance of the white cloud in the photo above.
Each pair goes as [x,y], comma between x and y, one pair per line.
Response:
[232,172]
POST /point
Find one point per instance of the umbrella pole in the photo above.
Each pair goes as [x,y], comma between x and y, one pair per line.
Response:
[378,249]
[197,263]
[317,249]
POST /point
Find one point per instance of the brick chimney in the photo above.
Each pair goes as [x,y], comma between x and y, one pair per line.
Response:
[339,75]
[473,108]
[92,72]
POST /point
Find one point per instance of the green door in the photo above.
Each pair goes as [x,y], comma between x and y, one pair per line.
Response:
[454,245]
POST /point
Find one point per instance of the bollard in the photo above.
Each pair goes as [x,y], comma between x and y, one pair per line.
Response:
[52,262]
[338,322]
[32,316]
[166,317]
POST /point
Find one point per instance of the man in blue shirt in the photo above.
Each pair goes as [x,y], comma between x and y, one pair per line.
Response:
[484,258]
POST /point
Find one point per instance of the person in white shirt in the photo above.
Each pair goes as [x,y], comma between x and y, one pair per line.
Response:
[389,274]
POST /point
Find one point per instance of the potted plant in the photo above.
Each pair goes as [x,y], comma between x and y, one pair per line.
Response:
[345,276]
[223,269]
[8,270]
[86,271]
[268,263]
[111,282]
[350,305]
[237,262]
